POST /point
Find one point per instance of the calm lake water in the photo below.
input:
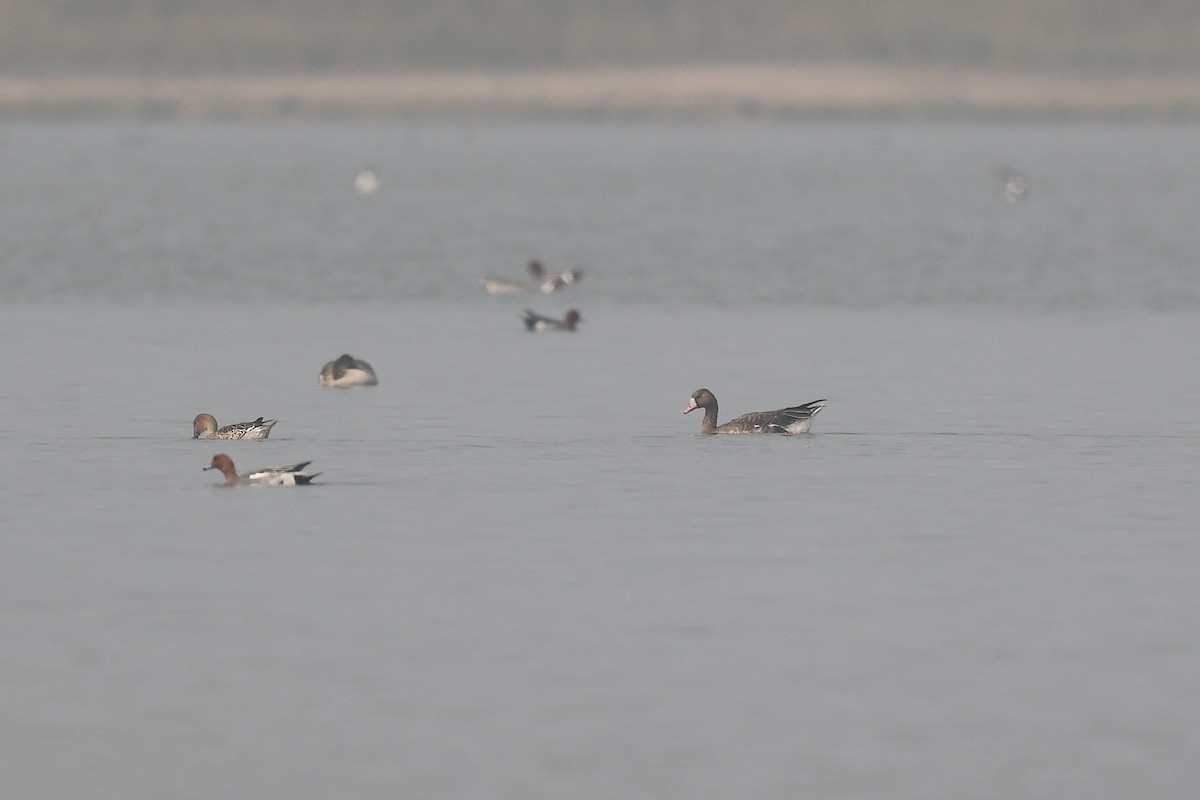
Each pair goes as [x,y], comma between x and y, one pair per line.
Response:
[523,573]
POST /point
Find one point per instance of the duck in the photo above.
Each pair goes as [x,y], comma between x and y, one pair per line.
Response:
[1014,186]
[543,281]
[550,281]
[204,426]
[539,324]
[290,475]
[504,286]
[796,419]
[347,371]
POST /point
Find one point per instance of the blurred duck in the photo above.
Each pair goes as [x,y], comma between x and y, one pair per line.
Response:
[204,426]
[1013,185]
[290,475]
[539,324]
[347,371]
[544,282]
[797,419]
[505,286]
[549,281]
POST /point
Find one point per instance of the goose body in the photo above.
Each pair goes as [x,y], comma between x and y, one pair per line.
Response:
[794,419]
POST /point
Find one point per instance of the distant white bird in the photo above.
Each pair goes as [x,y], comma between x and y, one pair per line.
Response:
[366,181]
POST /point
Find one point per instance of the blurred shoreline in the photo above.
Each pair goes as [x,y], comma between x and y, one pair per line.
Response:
[707,92]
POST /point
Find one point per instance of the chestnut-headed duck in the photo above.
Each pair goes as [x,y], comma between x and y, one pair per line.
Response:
[204,426]
[797,419]
[347,371]
[290,475]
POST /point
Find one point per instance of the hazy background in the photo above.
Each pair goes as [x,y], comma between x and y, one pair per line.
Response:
[523,574]
[271,36]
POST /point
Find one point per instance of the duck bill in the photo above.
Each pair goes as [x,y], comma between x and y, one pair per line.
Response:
[691,406]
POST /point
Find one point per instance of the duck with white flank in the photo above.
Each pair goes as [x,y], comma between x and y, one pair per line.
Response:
[539,324]
[347,371]
[797,419]
[290,475]
[204,426]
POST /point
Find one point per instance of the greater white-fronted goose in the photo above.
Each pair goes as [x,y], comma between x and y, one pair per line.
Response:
[797,419]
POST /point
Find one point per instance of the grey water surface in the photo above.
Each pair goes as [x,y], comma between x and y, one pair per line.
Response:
[523,573]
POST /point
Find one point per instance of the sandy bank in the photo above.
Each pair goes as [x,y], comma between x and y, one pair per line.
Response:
[668,92]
